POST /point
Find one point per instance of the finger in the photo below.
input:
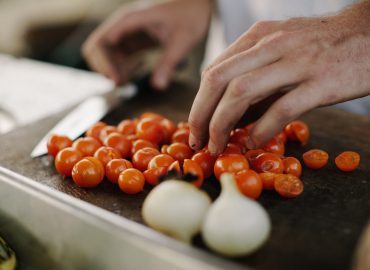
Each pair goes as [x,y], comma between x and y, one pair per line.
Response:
[289,107]
[247,90]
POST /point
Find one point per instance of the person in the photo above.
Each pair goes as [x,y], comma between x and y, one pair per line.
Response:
[299,63]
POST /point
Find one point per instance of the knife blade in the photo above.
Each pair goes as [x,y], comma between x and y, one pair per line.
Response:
[86,114]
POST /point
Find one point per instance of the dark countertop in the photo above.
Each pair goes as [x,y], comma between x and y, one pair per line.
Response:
[318,230]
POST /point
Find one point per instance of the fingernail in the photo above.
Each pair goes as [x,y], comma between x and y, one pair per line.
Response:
[250,143]
[212,148]
[194,142]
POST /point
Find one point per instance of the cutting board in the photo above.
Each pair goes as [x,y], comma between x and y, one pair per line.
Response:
[318,230]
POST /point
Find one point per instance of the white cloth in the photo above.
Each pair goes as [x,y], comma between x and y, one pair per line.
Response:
[238,15]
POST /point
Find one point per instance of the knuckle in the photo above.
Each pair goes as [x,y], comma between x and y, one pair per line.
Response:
[261,26]
[213,76]
[238,87]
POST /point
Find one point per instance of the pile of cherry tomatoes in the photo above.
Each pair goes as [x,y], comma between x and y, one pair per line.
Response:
[146,149]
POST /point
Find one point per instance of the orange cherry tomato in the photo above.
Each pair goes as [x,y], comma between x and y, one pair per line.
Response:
[164,149]
[239,136]
[87,146]
[231,163]
[288,186]
[131,138]
[140,144]
[94,130]
[105,131]
[152,116]
[183,125]
[249,183]
[232,148]
[66,159]
[142,157]
[88,172]
[127,127]
[56,143]
[281,137]
[297,131]
[193,170]
[106,154]
[275,146]
[315,159]
[121,143]
[115,167]
[179,151]
[131,181]
[181,136]
[206,161]
[161,160]
[268,180]
[292,166]
[169,128]
[175,167]
[252,154]
[347,161]
[151,130]
[268,162]
[152,176]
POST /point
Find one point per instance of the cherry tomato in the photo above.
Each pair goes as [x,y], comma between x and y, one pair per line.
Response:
[315,159]
[249,183]
[192,169]
[131,138]
[87,146]
[105,131]
[127,127]
[252,154]
[292,166]
[118,141]
[88,172]
[94,130]
[206,161]
[179,151]
[131,181]
[297,131]
[152,176]
[268,162]
[232,148]
[175,167]
[152,116]
[66,159]
[181,136]
[115,167]
[268,180]
[348,161]
[56,143]
[231,163]
[161,160]
[151,130]
[164,149]
[168,128]
[106,154]
[281,137]
[275,146]
[288,186]
[140,144]
[183,125]
[239,136]
[143,156]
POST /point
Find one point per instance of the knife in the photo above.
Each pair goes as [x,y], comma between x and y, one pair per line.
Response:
[86,114]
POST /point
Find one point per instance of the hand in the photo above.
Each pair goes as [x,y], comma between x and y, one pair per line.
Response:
[177,25]
[306,62]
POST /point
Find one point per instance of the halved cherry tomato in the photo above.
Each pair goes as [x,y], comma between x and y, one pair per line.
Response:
[151,130]
[239,136]
[66,159]
[315,159]
[168,128]
[232,148]
[268,162]
[206,161]
[106,154]
[143,156]
[231,163]
[275,146]
[164,149]
[179,151]
[192,169]
[288,186]
[268,180]
[181,136]
[115,167]
[119,142]
[131,181]
[161,160]
[56,143]
[249,183]
[87,146]
[94,130]
[88,172]
[127,127]
[152,176]
[175,167]
[347,161]
[105,131]
[140,144]
[292,166]
[297,131]
[252,154]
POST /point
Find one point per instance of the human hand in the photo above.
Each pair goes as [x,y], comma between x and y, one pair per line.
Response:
[177,25]
[307,62]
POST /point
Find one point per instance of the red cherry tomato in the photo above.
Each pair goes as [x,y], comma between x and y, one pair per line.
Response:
[348,161]
[56,143]
[161,160]
[88,172]
[292,166]
[181,136]
[268,180]
[275,146]
[281,137]
[249,183]
[66,159]
[140,144]
[193,170]
[297,131]
[239,136]
[206,161]
[121,143]
[127,127]
[87,146]
[164,149]
[151,130]
[106,154]
[152,116]
[268,162]
[131,181]
[251,155]
[183,125]
[105,131]
[169,128]
[152,176]
[94,130]
[143,156]
[179,151]
[288,186]
[114,168]
[232,148]
[231,163]
[315,159]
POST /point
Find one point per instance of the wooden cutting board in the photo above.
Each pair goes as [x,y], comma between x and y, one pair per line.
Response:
[318,230]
